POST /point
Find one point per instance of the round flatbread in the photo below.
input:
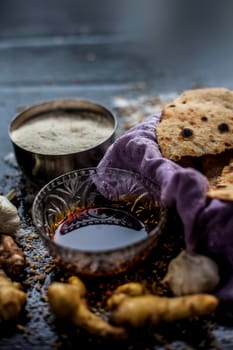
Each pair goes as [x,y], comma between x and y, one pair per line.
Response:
[199,122]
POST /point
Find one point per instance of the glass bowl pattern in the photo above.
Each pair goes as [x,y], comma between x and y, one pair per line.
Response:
[129,199]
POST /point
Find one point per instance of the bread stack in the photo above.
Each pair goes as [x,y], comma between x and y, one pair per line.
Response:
[196,130]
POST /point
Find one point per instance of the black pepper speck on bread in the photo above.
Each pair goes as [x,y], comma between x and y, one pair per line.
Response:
[197,123]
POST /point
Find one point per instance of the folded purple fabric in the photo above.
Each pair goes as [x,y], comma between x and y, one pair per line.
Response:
[208,224]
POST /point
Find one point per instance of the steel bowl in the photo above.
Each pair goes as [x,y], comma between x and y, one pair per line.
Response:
[41,168]
[108,197]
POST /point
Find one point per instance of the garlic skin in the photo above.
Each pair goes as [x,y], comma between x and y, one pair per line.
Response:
[191,274]
[9,218]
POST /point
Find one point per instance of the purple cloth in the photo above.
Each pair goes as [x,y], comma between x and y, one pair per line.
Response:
[208,224]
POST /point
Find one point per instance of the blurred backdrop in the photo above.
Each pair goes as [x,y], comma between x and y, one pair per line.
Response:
[172,38]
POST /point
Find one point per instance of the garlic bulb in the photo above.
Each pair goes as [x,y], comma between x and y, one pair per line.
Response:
[9,218]
[191,274]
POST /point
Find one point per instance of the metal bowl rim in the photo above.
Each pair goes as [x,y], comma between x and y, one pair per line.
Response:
[56,104]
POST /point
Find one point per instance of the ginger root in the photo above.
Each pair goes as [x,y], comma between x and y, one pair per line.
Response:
[191,274]
[12,258]
[12,298]
[142,310]
[9,218]
[67,300]
[132,289]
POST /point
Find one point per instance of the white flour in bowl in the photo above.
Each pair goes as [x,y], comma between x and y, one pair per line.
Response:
[62,134]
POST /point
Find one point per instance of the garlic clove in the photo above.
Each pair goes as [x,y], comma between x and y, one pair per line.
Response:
[192,274]
[9,218]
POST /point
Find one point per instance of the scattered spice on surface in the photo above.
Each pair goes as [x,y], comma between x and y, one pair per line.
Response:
[135,110]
